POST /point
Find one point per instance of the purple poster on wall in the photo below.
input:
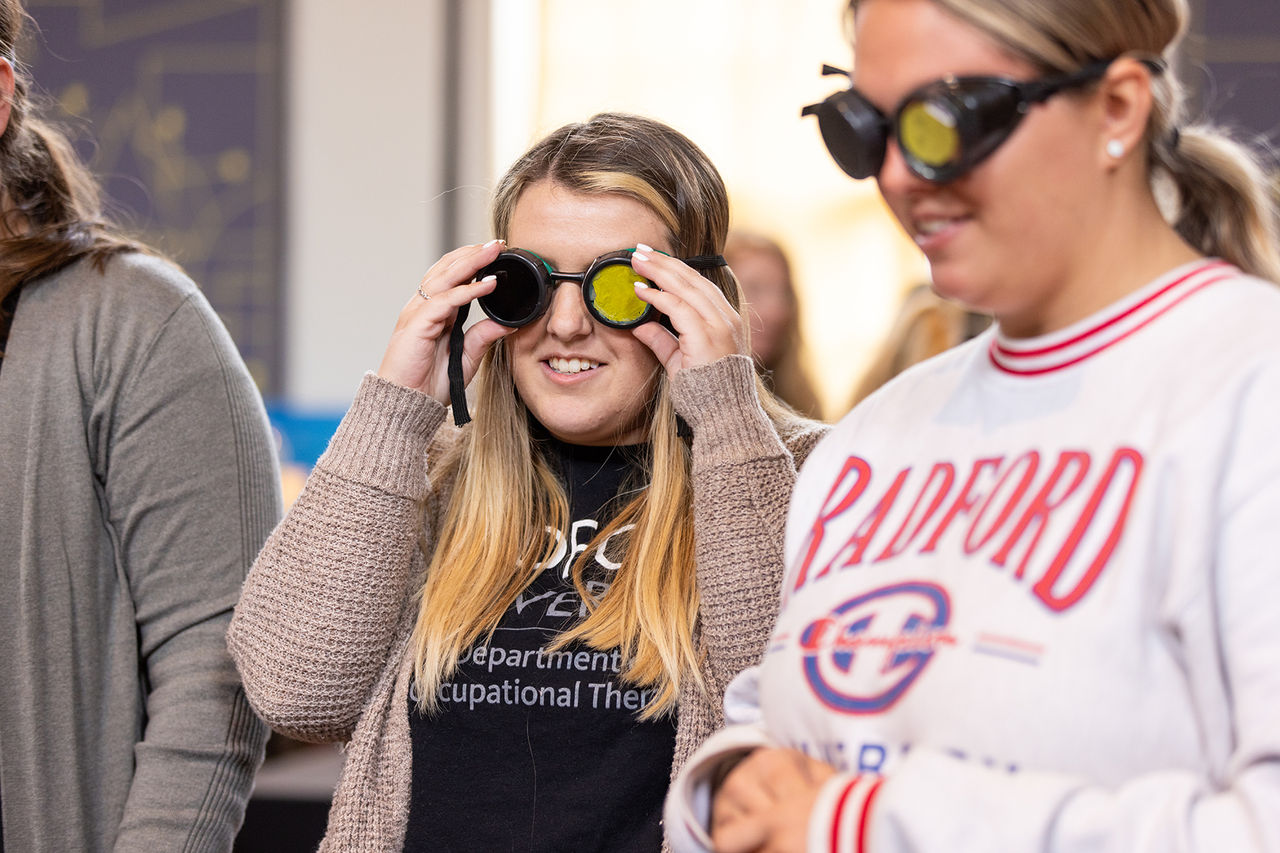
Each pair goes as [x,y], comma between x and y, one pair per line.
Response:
[1241,48]
[176,104]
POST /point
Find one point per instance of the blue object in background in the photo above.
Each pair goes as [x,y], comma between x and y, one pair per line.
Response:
[302,435]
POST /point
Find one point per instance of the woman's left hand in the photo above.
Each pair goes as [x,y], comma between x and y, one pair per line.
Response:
[765,802]
[708,328]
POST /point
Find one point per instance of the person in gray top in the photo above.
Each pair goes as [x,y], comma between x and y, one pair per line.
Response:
[137,482]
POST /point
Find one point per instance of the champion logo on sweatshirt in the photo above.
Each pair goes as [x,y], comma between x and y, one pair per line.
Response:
[863,655]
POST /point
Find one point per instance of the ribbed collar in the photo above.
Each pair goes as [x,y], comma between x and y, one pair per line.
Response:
[1085,339]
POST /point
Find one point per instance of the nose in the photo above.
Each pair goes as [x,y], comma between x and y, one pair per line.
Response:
[567,316]
[895,178]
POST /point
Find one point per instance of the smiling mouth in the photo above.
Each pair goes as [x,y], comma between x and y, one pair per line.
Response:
[571,365]
[928,228]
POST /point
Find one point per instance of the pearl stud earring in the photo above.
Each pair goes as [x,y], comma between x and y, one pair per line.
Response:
[1115,148]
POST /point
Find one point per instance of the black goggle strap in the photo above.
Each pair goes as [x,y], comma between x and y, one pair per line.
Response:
[1033,91]
[457,388]
[1036,91]
[705,262]
[697,262]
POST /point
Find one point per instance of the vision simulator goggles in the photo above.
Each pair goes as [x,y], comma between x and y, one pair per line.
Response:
[526,283]
[944,128]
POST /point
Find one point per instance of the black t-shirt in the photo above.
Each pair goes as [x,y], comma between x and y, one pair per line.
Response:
[538,751]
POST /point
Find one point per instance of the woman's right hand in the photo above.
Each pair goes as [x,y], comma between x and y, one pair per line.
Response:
[417,355]
[765,800]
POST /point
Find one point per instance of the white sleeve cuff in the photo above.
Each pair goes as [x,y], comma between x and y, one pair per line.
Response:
[839,822]
[687,814]
[742,699]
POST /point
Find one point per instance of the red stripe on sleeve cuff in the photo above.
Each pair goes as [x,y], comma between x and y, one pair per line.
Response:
[864,819]
[840,820]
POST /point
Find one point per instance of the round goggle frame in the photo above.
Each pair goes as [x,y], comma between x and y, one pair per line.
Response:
[526,283]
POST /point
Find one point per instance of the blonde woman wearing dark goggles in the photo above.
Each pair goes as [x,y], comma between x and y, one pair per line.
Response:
[1029,602]
[521,626]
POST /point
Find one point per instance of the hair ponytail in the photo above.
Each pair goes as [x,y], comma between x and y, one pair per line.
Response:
[1224,205]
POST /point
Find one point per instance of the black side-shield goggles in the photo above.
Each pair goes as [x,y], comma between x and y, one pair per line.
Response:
[523,294]
[944,128]
[526,283]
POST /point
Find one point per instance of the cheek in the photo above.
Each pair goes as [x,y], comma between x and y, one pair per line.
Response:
[641,369]
[525,338]
[1031,211]
[642,364]
[1039,181]
[520,346]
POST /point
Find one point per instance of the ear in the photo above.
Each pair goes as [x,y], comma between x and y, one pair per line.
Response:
[6,92]
[1126,101]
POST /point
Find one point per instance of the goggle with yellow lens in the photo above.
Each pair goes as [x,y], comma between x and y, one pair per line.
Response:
[944,128]
[526,282]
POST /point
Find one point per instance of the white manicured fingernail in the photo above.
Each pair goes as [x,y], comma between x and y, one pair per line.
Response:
[491,242]
[643,248]
[640,256]
[488,278]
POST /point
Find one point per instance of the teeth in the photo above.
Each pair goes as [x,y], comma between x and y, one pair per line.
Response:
[571,365]
[929,227]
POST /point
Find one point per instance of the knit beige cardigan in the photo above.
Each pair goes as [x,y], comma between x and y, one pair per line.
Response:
[321,631]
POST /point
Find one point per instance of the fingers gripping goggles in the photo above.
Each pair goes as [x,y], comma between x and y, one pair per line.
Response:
[944,128]
[526,283]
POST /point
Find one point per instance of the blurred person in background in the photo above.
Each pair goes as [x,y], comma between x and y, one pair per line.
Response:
[763,270]
[1029,602]
[521,626]
[926,325]
[137,481]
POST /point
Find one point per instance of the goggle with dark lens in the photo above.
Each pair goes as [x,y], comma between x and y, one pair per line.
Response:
[526,282]
[944,128]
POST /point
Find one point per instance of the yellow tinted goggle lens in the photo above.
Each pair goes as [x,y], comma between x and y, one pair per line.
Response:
[929,133]
[615,294]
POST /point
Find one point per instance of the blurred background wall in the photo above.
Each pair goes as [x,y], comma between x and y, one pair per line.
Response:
[307,160]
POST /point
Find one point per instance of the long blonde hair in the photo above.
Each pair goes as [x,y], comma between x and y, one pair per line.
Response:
[493,541]
[1223,204]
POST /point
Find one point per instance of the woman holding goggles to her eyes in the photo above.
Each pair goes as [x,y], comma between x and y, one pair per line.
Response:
[522,625]
[1029,602]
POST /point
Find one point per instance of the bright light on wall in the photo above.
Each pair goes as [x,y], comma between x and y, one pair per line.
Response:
[732,75]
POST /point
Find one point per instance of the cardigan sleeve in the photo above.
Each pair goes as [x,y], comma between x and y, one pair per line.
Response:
[320,608]
[190,490]
[743,474]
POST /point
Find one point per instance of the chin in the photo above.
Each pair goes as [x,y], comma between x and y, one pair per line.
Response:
[959,289]
[576,432]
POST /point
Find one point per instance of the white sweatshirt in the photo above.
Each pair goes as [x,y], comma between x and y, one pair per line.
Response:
[1033,596]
